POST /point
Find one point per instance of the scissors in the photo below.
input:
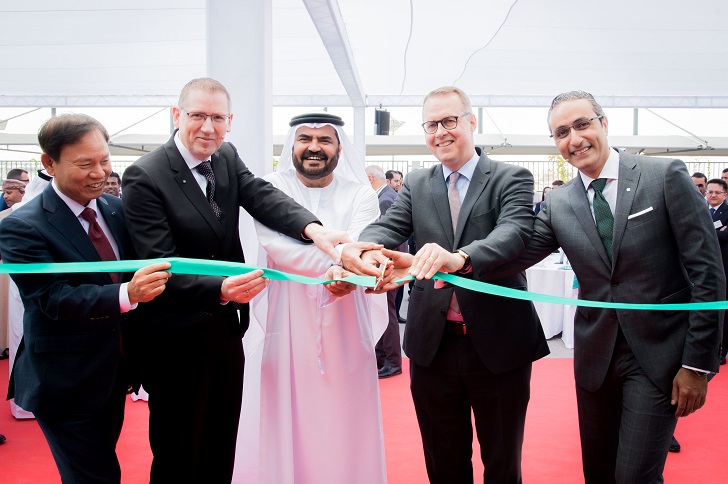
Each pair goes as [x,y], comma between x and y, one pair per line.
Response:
[381,276]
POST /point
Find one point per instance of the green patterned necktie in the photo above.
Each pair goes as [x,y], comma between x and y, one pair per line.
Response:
[603,215]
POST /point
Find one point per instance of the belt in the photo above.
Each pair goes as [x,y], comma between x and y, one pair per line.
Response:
[456,327]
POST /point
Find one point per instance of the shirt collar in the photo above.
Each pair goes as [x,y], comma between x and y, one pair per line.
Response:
[466,170]
[75,207]
[610,170]
[189,158]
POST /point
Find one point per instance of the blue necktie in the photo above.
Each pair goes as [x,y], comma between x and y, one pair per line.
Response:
[712,211]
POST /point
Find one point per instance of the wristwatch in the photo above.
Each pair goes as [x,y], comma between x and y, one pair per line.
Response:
[699,373]
[466,266]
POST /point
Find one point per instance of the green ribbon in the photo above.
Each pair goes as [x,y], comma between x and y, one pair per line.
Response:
[204,267]
[200,267]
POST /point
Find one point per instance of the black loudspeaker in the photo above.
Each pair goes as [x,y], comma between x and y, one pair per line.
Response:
[381,122]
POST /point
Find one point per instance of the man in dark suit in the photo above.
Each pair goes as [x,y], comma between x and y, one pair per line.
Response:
[189,340]
[473,352]
[716,193]
[69,369]
[635,230]
[388,348]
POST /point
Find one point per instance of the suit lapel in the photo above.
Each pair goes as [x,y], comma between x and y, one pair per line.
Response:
[580,204]
[438,189]
[481,175]
[720,211]
[68,226]
[188,184]
[629,176]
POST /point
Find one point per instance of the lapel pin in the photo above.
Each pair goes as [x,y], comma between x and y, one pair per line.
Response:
[184,181]
[628,189]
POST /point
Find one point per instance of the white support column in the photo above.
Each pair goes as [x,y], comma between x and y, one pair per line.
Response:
[240,55]
[360,142]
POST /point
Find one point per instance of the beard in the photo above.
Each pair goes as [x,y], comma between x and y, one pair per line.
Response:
[325,168]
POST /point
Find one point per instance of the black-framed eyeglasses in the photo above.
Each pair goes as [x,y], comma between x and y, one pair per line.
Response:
[202,117]
[449,123]
[579,125]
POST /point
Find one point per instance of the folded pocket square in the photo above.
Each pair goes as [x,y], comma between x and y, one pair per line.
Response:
[642,212]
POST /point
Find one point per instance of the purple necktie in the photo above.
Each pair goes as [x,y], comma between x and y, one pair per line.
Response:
[453,197]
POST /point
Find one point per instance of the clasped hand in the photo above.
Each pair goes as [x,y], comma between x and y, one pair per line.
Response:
[366,258]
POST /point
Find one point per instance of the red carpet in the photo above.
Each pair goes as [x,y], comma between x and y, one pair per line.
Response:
[550,455]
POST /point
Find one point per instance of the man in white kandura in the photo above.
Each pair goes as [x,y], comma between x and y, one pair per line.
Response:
[320,417]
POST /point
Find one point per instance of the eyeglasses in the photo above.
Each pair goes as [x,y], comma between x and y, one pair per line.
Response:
[711,192]
[449,123]
[579,125]
[202,117]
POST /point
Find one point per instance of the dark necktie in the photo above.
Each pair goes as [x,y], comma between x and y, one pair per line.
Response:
[99,239]
[453,197]
[712,211]
[603,215]
[205,170]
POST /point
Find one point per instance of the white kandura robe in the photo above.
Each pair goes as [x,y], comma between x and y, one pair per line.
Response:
[320,415]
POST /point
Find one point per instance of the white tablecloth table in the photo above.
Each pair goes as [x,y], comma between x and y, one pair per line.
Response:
[554,279]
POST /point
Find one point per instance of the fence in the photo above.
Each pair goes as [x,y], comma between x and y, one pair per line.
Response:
[544,172]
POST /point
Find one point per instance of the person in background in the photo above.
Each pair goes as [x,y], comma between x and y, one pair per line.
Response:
[394,179]
[700,181]
[113,185]
[537,208]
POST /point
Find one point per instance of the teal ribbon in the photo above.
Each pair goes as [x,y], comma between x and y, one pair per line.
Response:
[200,267]
[204,267]
[509,292]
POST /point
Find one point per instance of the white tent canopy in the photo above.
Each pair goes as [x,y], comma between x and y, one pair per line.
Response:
[652,53]
[504,53]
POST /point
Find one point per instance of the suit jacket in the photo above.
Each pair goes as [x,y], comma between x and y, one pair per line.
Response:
[721,214]
[69,356]
[664,251]
[386,196]
[169,216]
[494,225]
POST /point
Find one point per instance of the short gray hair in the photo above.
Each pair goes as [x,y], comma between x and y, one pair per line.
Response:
[204,84]
[571,95]
[375,171]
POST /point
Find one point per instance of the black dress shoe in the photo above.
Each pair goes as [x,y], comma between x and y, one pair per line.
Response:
[389,371]
[2,438]
[674,445]
[722,360]
[404,321]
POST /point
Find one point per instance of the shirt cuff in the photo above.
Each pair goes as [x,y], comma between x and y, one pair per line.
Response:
[124,305]
[696,369]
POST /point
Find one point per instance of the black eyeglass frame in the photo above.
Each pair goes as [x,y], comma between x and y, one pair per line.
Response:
[441,123]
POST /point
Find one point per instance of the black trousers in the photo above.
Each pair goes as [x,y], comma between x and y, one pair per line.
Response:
[195,391]
[84,444]
[389,349]
[445,393]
